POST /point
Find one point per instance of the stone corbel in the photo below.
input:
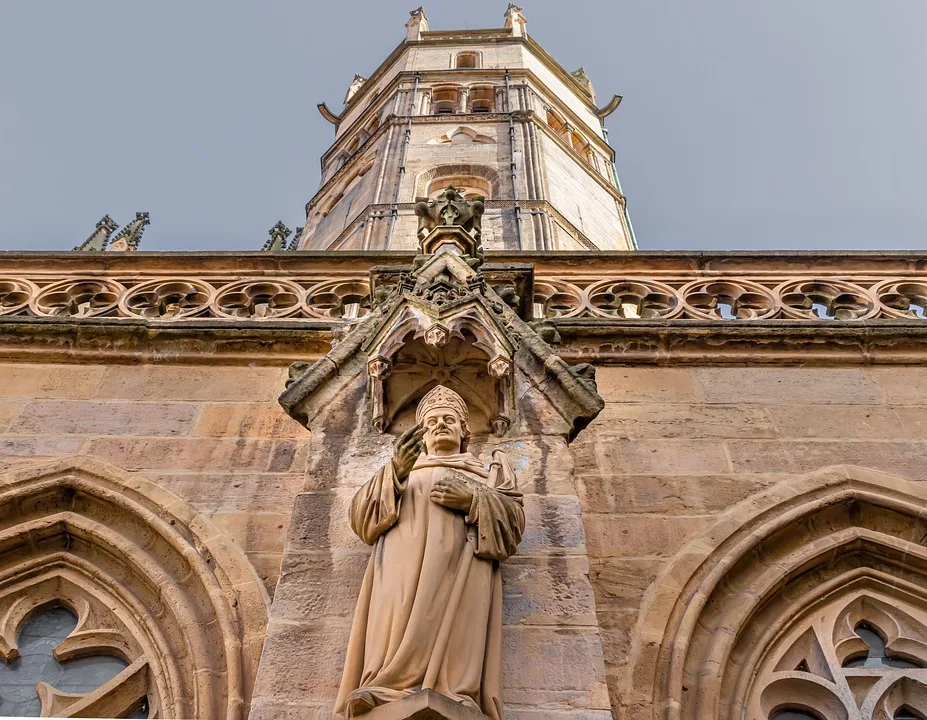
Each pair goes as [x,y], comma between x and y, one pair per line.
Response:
[378,369]
[437,335]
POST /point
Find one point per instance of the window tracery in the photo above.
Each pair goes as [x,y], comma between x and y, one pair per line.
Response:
[92,620]
[861,656]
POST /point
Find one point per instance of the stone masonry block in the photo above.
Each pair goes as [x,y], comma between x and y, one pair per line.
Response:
[82,417]
[253,531]
[25,380]
[184,382]
[9,409]
[319,585]
[868,422]
[178,454]
[266,420]
[896,458]
[685,421]
[258,492]
[670,494]
[553,666]
[315,648]
[604,452]
[783,386]
[648,385]
[640,535]
[901,385]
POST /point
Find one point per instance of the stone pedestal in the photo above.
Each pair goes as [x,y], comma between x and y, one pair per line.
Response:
[424,705]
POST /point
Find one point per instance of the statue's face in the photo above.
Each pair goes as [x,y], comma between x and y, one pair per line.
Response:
[443,431]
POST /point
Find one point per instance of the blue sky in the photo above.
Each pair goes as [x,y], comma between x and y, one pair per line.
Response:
[795,124]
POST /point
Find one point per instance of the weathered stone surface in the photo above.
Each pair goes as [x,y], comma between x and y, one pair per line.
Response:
[37,447]
[319,584]
[640,535]
[215,454]
[620,583]
[186,383]
[601,450]
[50,381]
[547,591]
[648,385]
[668,494]
[56,417]
[901,458]
[868,422]
[247,420]
[679,420]
[782,386]
[9,409]
[254,531]
[562,673]
[261,492]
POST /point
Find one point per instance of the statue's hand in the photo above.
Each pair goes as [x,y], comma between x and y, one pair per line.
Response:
[406,450]
[452,493]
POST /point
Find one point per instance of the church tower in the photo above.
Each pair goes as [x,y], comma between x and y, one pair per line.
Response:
[487,111]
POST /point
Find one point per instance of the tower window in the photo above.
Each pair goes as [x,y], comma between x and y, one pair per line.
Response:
[556,122]
[466,60]
[481,99]
[470,187]
[445,100]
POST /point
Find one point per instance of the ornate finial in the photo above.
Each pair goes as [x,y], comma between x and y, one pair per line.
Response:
[515,20]
[130,237]
[278,235]
[356,84]
[585,83]
[294,243]
[418,23]
[100,237]
[451,209]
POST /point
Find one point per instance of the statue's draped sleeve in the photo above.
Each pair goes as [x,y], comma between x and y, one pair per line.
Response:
[497,511]
[375,507]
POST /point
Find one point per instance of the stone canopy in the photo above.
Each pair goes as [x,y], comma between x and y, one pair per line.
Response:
[440,321]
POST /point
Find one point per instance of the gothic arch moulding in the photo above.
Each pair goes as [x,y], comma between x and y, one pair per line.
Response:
[444,175]
[150,580]
[765,607]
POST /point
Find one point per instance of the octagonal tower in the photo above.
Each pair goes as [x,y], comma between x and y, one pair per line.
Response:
[487,111]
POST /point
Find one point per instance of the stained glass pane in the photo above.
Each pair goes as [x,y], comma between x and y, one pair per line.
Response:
[37,639]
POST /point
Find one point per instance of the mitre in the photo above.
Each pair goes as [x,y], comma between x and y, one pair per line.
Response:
[441,396]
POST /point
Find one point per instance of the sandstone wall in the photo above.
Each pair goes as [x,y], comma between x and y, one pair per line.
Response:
[213,435]
[674,447]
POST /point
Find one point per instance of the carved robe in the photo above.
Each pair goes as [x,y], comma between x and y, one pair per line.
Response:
[407,585]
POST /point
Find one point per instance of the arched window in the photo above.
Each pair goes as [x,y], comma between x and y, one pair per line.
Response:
[94,618]
[793,714]
[482,99]
[467,60]
[469,186]
[556,123]
[444,100]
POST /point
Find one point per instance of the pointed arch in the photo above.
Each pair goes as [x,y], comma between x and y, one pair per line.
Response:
[756,568]
[150,579]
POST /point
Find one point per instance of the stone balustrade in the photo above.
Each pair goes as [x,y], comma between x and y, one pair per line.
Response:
[724,287]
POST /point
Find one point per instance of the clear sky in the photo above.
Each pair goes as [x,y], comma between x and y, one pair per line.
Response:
[785,124]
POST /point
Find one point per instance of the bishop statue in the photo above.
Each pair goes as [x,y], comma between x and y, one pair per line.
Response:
[429,614]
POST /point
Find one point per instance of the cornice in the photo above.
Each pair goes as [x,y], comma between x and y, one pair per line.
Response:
[583,340]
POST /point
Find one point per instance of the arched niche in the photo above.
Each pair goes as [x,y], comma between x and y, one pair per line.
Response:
[150,580]
[480,178]
[737,598]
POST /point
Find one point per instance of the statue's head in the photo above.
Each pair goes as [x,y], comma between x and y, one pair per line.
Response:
[444,415]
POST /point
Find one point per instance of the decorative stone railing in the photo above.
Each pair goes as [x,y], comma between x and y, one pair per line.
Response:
[184,297]
[335,293]
[732,298]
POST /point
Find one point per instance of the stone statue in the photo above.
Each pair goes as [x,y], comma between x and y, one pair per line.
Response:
[429,614]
